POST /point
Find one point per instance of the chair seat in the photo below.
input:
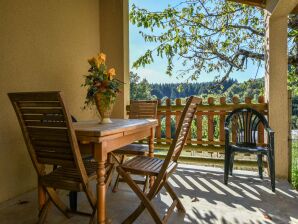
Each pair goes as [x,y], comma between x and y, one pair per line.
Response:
[144,165]
[70,178]
[133,149]
[249,149]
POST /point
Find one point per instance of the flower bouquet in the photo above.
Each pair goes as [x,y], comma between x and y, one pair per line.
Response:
[103,87]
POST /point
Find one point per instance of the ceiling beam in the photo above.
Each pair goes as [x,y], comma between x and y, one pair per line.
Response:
[258,3]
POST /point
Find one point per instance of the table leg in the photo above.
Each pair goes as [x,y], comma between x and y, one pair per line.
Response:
[101,187]
[151,152]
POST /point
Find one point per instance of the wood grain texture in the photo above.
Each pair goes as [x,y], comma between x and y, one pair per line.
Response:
[50,138]
[161,169]
[93,128]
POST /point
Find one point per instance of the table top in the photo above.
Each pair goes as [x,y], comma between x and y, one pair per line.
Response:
[94,128]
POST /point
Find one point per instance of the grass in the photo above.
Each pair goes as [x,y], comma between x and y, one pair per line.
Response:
[295,163]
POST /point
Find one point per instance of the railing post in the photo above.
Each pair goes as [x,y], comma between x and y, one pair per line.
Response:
[168,121]
[158,128]
[210,121]
[199,127]
[234,134]
[222,118]
[178,112]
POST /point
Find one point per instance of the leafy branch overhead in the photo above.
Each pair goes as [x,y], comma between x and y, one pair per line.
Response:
[205,35]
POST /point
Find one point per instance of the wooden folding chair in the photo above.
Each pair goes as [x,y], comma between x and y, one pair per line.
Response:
[160,169]
[139,109]
[50,138]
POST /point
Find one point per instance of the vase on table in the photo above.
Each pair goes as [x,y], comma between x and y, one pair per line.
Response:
[104,104]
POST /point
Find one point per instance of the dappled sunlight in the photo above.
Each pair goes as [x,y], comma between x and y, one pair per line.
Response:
[284,193]
[227,189]
[211,186]
[182,182]
[245,200]
[196,184]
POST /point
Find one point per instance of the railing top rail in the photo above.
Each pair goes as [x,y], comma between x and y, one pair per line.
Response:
[210,105]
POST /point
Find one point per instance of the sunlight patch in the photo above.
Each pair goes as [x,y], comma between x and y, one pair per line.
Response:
[196,184]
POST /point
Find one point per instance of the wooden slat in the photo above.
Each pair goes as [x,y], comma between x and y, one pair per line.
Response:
[50,143]
[43,117]
[235,100]
[45,124]
[210,121]
[158,128]
[34,96]
[168,119]
[222,121]
[178,113]
[54,155]
[41,111]
[199,126]
[39,104]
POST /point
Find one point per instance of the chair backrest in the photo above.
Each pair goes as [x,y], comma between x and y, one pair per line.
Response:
[142,109]
[181,133]
[47,128]
[246,121]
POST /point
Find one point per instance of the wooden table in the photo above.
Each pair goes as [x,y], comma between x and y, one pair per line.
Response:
[109,137]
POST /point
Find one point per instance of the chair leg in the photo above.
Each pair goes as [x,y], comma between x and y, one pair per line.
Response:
[92,218]
[226,166]
[43,212]
[109,176]
[57,202]
[146,183]
[91,198]
[115,188]
[174,196]
[145,201]
[73,197]
[231,163]
[272,170]
[260,165]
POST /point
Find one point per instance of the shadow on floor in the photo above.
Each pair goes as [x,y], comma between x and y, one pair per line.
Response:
[246,199]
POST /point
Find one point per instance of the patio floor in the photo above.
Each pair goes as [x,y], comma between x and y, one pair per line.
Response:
[246,199]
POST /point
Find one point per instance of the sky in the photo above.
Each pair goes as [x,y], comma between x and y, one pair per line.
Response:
[155,73]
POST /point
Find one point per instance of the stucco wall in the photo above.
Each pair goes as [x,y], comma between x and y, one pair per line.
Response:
[44,45]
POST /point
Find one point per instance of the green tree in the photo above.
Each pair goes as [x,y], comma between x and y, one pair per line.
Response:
[139,90]
[206,35]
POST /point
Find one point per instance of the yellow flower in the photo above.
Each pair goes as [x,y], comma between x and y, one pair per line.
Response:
[93,62]
[101,58]
[111,73]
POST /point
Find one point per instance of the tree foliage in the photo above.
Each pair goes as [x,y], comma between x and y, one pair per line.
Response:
[139,89]
[206,35]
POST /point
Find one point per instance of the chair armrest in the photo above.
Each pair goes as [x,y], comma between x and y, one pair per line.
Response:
[269,130]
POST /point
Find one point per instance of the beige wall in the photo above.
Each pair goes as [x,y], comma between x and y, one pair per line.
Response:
[44,45]
[114,42]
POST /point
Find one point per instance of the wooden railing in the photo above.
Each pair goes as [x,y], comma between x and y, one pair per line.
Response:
[205,144]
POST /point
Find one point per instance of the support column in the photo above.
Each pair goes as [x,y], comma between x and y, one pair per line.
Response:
[276,90]
[114,41]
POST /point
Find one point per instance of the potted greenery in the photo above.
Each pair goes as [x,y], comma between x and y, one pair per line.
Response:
[103,87]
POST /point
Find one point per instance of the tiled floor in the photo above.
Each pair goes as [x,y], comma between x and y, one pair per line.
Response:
[246,199]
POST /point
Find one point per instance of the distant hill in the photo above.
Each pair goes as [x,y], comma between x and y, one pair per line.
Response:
[182,90]
[229,88]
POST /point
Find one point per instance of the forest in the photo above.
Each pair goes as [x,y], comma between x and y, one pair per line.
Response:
[141,89]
